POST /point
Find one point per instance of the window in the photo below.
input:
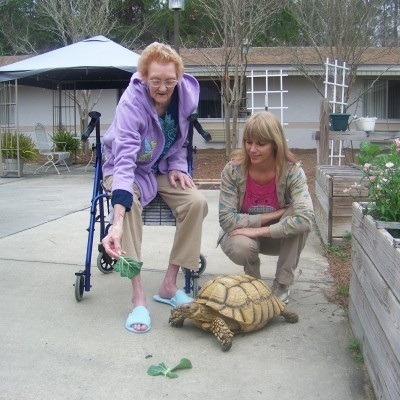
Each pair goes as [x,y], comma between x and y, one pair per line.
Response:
[383,99]
[210,100]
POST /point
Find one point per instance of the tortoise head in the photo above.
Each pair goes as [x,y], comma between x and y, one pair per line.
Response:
[189,310]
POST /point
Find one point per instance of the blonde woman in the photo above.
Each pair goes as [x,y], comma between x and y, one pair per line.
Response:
[265,206]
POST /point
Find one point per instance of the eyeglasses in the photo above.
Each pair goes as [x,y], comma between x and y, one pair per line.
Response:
[169,83]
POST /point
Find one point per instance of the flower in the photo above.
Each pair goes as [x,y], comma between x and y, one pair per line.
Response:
[381,176]
[367,166]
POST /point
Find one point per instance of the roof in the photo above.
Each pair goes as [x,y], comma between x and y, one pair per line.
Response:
[284,55]
[374,60]
[196,61]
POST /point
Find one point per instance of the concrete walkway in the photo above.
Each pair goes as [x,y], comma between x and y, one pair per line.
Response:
[53,347]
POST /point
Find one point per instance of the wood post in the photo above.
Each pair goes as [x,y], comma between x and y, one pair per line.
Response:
[323,137]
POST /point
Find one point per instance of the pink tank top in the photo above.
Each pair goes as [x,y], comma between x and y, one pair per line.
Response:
[259,199]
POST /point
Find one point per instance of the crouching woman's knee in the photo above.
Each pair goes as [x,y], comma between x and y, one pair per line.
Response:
[240,249]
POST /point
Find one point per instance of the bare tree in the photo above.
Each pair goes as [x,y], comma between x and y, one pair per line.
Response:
[70,21]
[16,26]
[74,20]
[140,21]
[235,24]
[340,30]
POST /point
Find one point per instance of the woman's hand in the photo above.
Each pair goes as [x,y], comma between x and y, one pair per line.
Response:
[184,179]
[112,242]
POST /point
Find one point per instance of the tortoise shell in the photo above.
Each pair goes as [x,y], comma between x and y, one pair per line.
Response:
[242,298]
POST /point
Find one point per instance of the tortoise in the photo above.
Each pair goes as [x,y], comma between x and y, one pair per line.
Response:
[231,304]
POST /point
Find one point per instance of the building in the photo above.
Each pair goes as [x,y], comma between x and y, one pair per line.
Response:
[273,79]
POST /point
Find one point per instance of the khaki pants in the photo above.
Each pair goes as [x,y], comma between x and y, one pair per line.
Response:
[189,207]
[245,251]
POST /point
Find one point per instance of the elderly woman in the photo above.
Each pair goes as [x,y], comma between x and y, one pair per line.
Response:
[264,205]
[146,152]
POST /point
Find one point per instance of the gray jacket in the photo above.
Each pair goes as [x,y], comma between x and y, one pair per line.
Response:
[292,191]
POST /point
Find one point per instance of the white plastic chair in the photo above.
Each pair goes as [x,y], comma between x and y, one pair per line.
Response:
[46,148]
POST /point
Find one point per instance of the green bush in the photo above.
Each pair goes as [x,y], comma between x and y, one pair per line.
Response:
[66,141]
[27,147]
[381,176]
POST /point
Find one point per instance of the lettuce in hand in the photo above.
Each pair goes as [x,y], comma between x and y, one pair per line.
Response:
[127,267]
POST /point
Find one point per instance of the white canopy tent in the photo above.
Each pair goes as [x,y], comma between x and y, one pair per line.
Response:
[95,63]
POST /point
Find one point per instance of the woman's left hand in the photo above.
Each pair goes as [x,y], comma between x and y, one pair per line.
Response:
[184,179]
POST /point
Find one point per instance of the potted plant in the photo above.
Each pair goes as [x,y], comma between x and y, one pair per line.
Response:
[375,267]
[365,124]
[339,121]
[11,146]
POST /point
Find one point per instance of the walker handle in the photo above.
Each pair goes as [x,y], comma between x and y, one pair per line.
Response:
[196,124]
[95,115]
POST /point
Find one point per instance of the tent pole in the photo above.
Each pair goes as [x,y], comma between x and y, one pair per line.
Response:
[59,108]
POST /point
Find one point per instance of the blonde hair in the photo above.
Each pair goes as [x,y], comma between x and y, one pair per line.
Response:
[160,53]
[264,127]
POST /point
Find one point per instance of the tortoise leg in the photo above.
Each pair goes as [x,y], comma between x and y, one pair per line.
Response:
[176,319]
[223,334]
[290,316]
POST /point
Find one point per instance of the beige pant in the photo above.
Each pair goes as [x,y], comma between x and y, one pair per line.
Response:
[245,251]
[189,207]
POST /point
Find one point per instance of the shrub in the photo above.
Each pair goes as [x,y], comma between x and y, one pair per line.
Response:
[66,141]
[27,147]
[381,175]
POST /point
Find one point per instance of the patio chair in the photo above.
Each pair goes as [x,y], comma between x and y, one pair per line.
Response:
[46,148]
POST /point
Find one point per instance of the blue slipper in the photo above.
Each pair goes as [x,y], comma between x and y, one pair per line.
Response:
[179,298]
[139,315]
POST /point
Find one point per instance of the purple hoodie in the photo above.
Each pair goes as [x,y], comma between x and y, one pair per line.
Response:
[135,139]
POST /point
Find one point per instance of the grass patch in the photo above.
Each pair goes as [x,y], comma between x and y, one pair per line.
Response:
[338,252]
[356,352]
[343,290]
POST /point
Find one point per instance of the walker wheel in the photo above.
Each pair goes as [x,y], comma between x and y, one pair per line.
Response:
[105,263]
[79,285]
[202,264]
[191,277]
[202,267]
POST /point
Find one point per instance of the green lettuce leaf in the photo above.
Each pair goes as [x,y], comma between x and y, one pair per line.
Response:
[127,267]
[162,369]
[183,364]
